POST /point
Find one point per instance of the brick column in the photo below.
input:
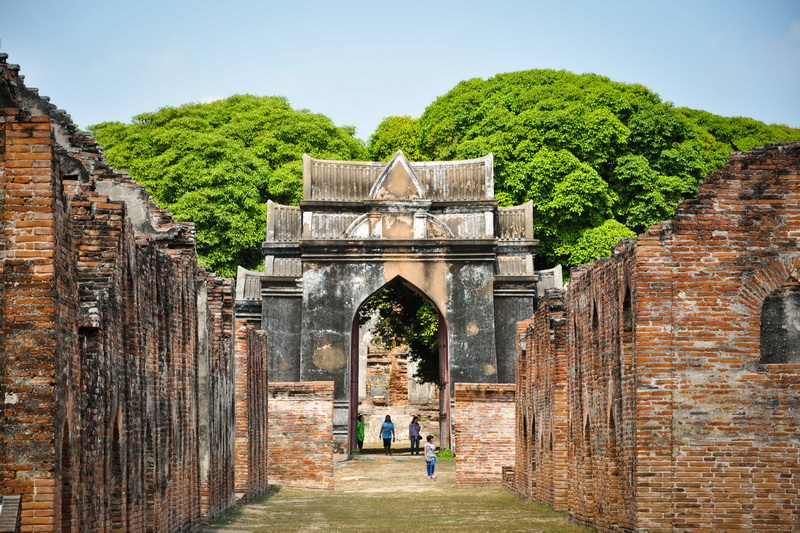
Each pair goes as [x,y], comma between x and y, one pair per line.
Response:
[484,429]
[301,434]
[28,319]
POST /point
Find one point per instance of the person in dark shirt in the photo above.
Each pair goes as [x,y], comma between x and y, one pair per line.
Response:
[413,435]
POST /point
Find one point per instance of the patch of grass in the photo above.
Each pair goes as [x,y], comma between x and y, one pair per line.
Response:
[394,495]
[230,516]
[236,512]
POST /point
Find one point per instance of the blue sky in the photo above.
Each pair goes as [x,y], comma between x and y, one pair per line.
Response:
[360,61]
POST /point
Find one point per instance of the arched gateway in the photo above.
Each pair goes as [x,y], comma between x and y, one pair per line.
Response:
[435,226]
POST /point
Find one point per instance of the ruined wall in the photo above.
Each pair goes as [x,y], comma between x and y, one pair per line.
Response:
[117,372]
[678,416]
[483,421]
[300,434]
[216,421]
[542,424]
[250,356]
[703,283]
[600,396]
[33,316]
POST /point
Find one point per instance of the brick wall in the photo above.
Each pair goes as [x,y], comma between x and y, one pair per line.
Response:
[542,429]
[216,423]
[483,420]
[250,349]
[673,421]
[117,372]
[301,434]
[599,419]
[32,316]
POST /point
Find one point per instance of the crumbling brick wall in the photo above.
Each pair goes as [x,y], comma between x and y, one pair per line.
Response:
[301,434]
[542,428]
[250,358]
[216,416]
[117,371]
[483,421]
[674,420]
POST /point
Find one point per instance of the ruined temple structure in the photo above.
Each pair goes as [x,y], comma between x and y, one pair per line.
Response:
[659,392]
[434,226]
[116,363]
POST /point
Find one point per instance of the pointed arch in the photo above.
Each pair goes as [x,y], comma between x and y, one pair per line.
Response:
[612,433]
[445,429]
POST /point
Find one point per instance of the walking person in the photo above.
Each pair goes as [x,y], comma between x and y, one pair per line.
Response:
[387,434]
[430,457]
[413,434]
[360,427]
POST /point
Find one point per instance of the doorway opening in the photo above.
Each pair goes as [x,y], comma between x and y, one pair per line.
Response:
[399,367]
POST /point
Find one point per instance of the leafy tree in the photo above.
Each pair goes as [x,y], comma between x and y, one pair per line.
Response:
[597,242]
[217,164]
[739,133]
[404,318]
[585,149]
[393,134]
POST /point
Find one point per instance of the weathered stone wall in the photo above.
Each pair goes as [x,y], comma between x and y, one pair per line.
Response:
[301,434]
[674,418]
[483,421]
[117,371]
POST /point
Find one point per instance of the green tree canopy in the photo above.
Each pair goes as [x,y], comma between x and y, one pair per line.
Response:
[585,149]
[393,134]
[405,318]
[217,164]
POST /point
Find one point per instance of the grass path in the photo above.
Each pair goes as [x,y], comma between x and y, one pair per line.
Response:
[377,495]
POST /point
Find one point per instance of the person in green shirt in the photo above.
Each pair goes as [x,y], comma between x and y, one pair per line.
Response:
[360,426]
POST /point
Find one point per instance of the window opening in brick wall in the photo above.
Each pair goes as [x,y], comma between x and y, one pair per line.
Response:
[626,336]
[596,332]
[149,476]
[780,325]
[612,436]
[525,430]
[398,367]
[627,311]
[118,522]
[587,437]
[67,498]
[578,374]
[532,449]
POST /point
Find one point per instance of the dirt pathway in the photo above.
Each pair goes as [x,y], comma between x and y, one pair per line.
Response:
[394,495]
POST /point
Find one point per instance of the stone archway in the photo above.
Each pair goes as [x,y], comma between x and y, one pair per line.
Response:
[436,225]
[444,397]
